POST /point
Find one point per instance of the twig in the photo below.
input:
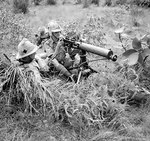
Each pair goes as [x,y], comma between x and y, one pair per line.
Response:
[121,42]
[79,76]
[7,57]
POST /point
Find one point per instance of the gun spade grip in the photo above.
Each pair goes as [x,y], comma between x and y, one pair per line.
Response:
[96,50]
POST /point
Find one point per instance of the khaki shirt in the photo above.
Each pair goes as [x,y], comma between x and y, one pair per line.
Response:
[55,48]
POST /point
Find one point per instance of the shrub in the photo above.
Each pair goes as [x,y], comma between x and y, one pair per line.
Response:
[36,2]
[86,3]
[20,6]
[108,2]
[96,2]
[78,2]
[117,2]
[142,3]
[51,2]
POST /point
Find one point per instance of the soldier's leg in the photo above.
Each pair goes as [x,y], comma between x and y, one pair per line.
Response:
[61,68]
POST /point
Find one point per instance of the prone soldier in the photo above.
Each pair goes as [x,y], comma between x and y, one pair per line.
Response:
[27,58]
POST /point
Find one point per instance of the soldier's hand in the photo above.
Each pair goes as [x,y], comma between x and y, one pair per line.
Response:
[16,63]
[45,68]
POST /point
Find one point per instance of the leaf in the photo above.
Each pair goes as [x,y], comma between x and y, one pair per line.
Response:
[140,60]
[146,52]
[136,44]
[128,53]
[133,59]
[148,41]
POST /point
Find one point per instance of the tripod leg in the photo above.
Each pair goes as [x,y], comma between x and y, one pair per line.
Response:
[79,76]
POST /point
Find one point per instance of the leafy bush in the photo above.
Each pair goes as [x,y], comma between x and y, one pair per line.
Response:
[141,3]
[37,2]
[108,2]
[20,6]
[86,3]
[51,2]
[78,1]
[96,2]
[117,2]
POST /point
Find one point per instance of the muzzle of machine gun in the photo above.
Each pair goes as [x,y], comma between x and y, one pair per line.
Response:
[107,53]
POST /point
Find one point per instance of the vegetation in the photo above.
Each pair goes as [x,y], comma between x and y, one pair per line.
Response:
[20,6]
[37,2]
[13,28]
[110,105]
[51,2]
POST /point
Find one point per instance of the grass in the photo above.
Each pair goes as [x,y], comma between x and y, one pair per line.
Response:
[90,110]
[20,6]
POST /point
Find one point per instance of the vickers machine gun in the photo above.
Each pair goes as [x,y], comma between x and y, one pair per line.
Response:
[76,43]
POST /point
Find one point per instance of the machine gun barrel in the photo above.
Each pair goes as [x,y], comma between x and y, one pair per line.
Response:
[97,50]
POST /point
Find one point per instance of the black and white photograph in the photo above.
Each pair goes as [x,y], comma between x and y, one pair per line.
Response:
[74,70]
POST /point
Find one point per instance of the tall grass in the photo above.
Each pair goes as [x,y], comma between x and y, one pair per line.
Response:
[12,27]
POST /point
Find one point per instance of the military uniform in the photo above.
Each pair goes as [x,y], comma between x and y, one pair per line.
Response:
[54,47]
[28,58]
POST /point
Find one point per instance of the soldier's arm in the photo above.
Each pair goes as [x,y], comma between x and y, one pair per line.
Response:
[42,63]
[59,44]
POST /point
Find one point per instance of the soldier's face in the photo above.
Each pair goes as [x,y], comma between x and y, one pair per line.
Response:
[32,56]
[56,34]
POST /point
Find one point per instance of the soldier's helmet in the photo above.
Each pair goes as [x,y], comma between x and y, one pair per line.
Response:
[53,26]
[25,48]
[42,31]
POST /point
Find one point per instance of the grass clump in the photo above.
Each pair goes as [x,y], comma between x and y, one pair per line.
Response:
[141,3]
[51,2]
[37,2]
[20,6]
[86,3]
[23,88]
